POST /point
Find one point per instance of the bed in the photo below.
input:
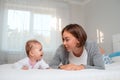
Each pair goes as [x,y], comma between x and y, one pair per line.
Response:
[112,72]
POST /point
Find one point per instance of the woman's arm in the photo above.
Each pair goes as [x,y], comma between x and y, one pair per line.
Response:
[95,59]
[61,57]
[72,67]
[56,59]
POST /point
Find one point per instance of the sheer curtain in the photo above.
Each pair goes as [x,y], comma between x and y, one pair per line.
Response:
[21,20]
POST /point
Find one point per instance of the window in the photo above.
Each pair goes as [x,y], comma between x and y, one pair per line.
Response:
[100,36]
[23,25]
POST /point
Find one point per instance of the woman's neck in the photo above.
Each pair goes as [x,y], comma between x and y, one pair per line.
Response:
[78,51]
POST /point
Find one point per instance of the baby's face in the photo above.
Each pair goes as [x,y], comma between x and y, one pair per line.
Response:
[37,52]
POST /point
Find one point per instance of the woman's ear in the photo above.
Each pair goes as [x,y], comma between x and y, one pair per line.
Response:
[78,44]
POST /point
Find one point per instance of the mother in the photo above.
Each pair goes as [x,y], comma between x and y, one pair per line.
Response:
[76,53]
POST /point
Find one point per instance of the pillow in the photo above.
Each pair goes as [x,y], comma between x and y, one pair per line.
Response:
[114,54]
[107,59]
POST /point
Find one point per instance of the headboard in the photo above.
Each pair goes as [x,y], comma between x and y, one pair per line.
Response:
[116,42]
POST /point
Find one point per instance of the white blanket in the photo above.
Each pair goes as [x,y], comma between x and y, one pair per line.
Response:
[112,72]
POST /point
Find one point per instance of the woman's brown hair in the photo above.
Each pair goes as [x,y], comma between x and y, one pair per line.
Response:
[78,32]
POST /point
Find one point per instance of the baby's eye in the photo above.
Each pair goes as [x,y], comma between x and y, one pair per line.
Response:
[40,49]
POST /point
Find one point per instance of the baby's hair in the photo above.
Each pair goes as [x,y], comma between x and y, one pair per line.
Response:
[30,44]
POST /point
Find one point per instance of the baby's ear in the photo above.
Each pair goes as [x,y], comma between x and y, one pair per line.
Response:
[31,54]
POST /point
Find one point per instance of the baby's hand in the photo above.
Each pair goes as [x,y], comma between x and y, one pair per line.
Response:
[25,68]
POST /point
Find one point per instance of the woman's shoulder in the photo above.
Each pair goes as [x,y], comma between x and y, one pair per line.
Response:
[61,50]
[61,47]
[90,43]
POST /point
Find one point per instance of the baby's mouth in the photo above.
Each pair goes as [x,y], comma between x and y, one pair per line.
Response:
[38,60]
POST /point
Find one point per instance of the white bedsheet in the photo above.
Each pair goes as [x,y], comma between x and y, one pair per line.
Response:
[112,72]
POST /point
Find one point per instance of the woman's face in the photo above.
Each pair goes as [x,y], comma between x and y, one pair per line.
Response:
[69,41]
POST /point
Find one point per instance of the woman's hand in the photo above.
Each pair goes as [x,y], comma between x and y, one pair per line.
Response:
[71,67]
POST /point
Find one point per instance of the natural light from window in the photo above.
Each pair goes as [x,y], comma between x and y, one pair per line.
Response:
[23,25]
[100,36]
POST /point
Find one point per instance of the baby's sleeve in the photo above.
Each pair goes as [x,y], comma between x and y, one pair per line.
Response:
[43,64]
[19,64]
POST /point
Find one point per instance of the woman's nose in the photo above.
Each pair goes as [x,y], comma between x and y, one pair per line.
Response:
[64,42]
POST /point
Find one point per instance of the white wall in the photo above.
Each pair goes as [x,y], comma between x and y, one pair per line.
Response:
[76,14]
[103,15]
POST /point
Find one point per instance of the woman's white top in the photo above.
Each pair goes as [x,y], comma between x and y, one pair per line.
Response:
[78,60]
[26,62]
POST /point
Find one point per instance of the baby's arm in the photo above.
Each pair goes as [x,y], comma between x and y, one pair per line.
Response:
[21,64]
[25,67]
[44,65]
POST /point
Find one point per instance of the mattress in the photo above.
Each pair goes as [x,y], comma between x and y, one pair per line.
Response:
[111,72]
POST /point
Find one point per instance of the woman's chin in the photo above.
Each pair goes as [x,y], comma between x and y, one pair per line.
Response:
[68,50]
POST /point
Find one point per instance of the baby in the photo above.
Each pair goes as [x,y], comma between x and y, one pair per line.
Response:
[34,57]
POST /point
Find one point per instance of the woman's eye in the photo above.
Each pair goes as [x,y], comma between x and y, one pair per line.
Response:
[67,39]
